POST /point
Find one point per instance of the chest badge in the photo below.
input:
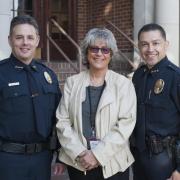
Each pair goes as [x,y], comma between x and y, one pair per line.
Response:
[47,77]
[159,86]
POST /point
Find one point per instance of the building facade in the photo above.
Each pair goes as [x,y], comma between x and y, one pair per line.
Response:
[76,17]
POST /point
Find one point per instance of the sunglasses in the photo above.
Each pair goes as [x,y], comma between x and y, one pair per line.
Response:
[103,50]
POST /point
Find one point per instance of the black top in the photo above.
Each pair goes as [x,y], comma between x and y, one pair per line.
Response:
[89,108]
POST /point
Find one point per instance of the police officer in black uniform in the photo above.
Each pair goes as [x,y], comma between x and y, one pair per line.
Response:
[29,95]
[155,141]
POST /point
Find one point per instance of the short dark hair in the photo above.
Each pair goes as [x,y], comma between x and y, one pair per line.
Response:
[152,27]
[23,19]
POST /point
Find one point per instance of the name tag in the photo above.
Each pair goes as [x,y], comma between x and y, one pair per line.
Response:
[93,143]
[14,84]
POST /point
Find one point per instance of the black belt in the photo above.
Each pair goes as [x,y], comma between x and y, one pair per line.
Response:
[19,148]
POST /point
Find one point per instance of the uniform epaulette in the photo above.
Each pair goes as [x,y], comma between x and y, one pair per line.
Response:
[39,62]
[174,68]
[4,61]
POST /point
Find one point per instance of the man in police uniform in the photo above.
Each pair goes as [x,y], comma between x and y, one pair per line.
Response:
[156,135]
[29,95]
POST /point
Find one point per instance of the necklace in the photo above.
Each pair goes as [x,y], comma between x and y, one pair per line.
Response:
[96,82]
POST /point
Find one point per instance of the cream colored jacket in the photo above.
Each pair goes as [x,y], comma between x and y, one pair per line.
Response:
[115,120]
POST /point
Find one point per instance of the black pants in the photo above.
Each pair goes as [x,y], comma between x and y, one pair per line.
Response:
[25,167]
[95,174]
[152,166]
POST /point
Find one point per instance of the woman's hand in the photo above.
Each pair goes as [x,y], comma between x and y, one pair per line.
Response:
[87,160]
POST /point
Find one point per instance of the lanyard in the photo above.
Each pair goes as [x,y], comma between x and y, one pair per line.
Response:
[92,114]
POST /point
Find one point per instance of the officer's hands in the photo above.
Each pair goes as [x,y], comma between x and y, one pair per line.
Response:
[175,176]
[88,160]
[58,169]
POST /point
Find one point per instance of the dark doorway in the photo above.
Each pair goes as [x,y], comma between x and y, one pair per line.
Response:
[63,11]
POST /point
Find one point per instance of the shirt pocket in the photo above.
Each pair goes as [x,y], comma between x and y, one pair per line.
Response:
[50,93]
[14,99]
[50,89]
[14,92]
[159,104]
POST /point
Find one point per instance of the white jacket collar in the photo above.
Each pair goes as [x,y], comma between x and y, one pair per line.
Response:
[107,96]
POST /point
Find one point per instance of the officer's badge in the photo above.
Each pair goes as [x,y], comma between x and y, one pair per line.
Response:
[158,87]
[47,77]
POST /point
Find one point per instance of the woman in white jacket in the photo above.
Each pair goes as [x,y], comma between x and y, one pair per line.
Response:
[97,114]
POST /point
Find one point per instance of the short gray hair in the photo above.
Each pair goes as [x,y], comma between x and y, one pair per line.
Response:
[98,34]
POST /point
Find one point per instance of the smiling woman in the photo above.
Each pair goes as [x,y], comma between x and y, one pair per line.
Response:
[97,114]
[98,57]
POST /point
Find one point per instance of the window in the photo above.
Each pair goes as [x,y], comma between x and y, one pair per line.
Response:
[22,7]
[59,12]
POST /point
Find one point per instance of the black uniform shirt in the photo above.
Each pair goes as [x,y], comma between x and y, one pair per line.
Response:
[158,98]
[27,116]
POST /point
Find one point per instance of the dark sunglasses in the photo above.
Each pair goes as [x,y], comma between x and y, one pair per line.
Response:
[103,50]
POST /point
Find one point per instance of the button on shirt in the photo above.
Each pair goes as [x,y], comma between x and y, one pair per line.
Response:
[158,110]
[24,117]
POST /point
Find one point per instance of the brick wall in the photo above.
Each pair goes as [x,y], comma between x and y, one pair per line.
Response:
[62,70]
[95,13]
[82,18]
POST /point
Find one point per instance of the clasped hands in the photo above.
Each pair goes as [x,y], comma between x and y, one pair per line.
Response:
[87,160]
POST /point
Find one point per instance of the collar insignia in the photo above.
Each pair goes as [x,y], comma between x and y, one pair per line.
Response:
[155,71]
[34,67]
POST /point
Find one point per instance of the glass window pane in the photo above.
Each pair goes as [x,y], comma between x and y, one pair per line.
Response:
[25,7]
[59,12]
